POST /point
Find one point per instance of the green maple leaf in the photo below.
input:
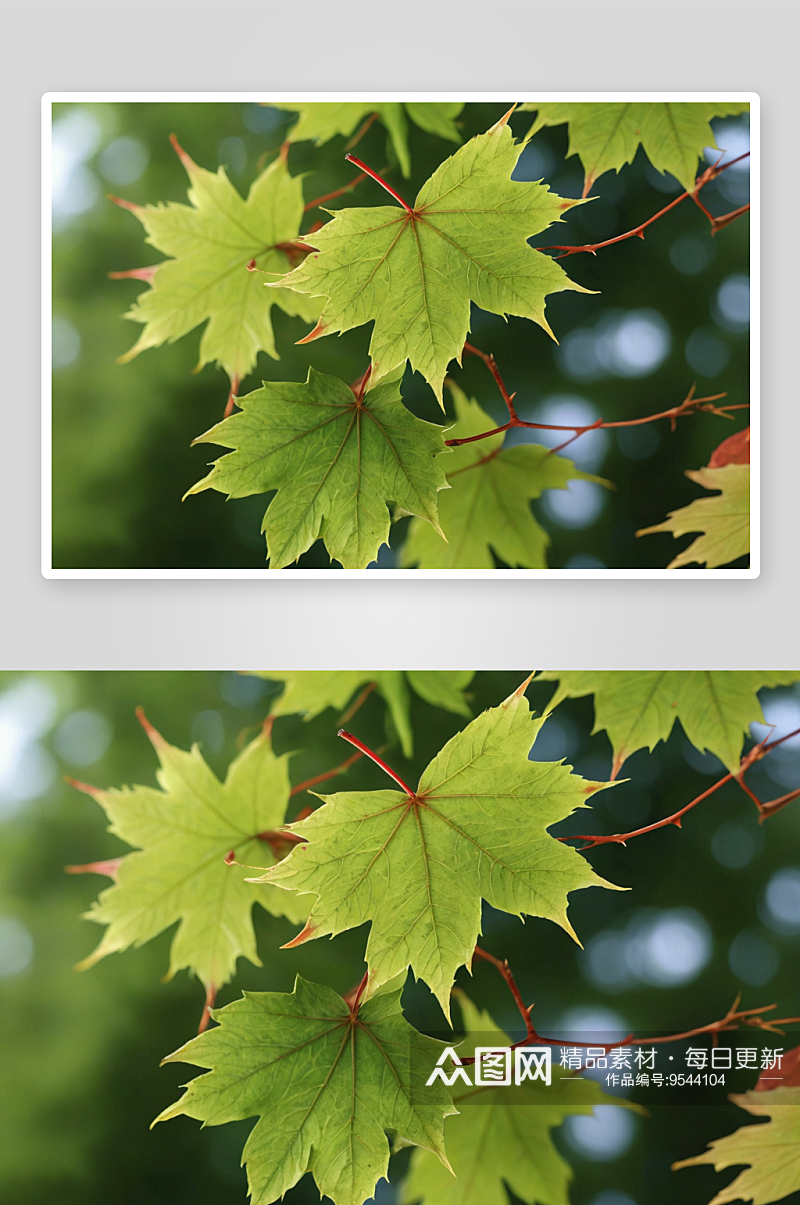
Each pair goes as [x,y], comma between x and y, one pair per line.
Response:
[724,519]
[607,135]
[211,241]
[417,864]
[638,708]
[488,504]
[183,832]
[313,691]
[414,271]
[335,460]
[325,1082]
[319,121]
[502,1136]
[771,1151]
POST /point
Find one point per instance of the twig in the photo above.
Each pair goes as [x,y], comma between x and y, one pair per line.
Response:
[491,364]
[368,689]
[354,141]
[505,970]
[733,1019]
[337,192]
[689,405]
[326,774]
[707,176]
[758,751]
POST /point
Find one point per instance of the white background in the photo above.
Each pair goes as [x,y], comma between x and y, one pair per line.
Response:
[285,622]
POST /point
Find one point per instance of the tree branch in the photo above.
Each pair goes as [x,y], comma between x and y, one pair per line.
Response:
[689,405]
[706,177]
[733,1019]
[758,751]
[337,192]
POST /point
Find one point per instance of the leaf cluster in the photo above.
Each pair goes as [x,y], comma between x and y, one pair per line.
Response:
[337,461]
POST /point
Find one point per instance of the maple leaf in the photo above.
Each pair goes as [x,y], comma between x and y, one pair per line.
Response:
[606,135]
[313,691]
[638,708]
[488,1143]
[417,863]
[211,241]
[326,1081]
[487,507]
[334,458]
[771,1150]
[724,519]
[319,121]
[414,271]
[183,832]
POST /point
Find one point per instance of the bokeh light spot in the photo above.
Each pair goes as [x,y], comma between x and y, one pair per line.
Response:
[16,947]
[123,161]
[66,343]
[605,1135]
[782,901]
[83,738]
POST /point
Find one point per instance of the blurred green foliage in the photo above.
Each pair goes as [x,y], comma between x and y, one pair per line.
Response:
[80,1052]
[122,458]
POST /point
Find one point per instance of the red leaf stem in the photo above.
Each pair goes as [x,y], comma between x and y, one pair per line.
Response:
[348,736]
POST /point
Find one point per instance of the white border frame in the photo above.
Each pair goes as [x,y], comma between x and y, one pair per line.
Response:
[267,574]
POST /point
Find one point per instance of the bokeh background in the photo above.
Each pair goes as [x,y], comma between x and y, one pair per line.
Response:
[714,909]
[672,309]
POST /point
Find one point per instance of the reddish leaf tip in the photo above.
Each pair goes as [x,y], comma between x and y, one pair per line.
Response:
[185,159]
[319,330]
[108,868]
[85,787]
[145,274]
[304,935]
[153,735]
[123,204]
[230,857]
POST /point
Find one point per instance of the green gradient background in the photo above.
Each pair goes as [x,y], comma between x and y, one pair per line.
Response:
[121,434]
[79,1053]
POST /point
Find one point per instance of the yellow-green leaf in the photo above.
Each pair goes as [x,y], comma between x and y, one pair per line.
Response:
[487,508]
[326,1084]
[770,1151]
[417,865]
[723,519]
[211,241]
[182,833]
[414,271]
[607,134]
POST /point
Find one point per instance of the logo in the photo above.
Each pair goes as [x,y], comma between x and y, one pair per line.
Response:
[494,1066]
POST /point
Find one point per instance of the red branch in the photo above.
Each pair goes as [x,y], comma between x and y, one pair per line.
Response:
[491,364]
[318,778]
[337,192]
[764,809]
[505,970]
[354,141]
[707,176]
[732,1020]
[689,405]
[360,699]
